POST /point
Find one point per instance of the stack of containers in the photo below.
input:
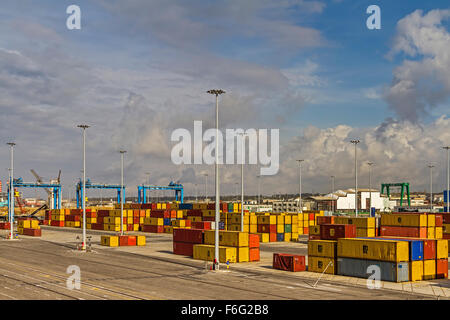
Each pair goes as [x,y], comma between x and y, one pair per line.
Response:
[57,217]
[356,256]
[29,227]
[267,228]
[153,225]
[185,239]
[418,225]
[72,218]
[116,241]
[322,256]
[234,246]
[365,226]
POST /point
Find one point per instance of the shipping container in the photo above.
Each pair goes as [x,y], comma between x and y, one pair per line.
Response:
[322,248]
[289,262]
[321,264]
[429,269]
[361,268]
[442,268]
[206,252]
[336,231]
[419,232]
[374,249]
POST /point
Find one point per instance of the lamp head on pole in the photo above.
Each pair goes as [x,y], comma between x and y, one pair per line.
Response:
[83,126]
[355,141]
[11,144]
[122,151]
[215,91]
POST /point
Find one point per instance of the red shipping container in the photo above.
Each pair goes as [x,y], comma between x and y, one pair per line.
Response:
[325,220]
[311,217]
[201,225]
[289,262]
[131,240]
[91,215]
[223,207]
[146,206]
[102,213]
[265,228]
[273,228]
[208,219]
[123,241]
[446,236]
[314,237]
[128,227]
[136,213]
[253,241]
[153,229]
[336,231]
[306,230]
[136,220]
[439,220]
[446,217]
[183,248]
[254,254]
[415,232]
[211,206]
[100,220]
[160,214]
[194,213]
[441,269]
[272,237]
[154,206]
[5,225]
[32,232]
[188,235]
[187,223]
[55,223]
[173,214]
[168,205]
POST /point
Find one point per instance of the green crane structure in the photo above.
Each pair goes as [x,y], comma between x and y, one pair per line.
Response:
[404,187]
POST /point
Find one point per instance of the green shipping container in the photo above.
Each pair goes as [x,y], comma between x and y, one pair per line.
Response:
[287,228]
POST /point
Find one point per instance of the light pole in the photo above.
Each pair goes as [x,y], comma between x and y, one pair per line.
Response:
[84,127]
[431,186]
[242,180]
[217,92]
[122,193]
[332,191]
[355,142]
[148,181]
[300,204]
[11,186]
[448,177]
[206,186]
[370,186]
[259,191]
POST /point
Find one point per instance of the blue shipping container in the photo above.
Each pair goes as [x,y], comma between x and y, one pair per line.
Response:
[280,236]
[389,271]
[167,222]
[415,247]
[185,206]
[445,195]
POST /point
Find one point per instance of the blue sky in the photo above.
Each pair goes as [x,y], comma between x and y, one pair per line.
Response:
[138,69]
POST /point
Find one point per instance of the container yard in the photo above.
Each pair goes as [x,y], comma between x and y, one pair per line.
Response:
[221,159]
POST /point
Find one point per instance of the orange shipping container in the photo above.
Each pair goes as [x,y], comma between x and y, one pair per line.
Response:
[254,254]
[442,268]
[253,241]
[272,237]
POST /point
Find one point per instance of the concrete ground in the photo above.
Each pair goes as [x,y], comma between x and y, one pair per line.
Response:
[35,268]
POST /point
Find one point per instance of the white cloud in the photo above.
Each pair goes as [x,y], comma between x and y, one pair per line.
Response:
[424,82]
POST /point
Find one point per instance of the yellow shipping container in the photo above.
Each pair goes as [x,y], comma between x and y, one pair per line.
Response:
[156,221]
[295,228]
[253,220]
[374,249]
[129,220]
[287,237]
[314,230]
[429,269]
[431,221]
[416,270]
[358,222]
[19,230]
[446,228]
[263,237]
[294,236]
[114,227]
[305,223]
[243,254]
[135,227]
[253,228]
[227,238]
[179,223]
[294,218]
[322,248]
[267,219]
[140,240]
[306,217]
[430,233]
[168,229]
[319,264]
[24,224]
[441,249]
[404,220]
[438,233]
[288,219]
[206,252]
[88,226]
[299,217]
[363,232]
[300,231]
[110,241]
[280,228]
[312,223]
